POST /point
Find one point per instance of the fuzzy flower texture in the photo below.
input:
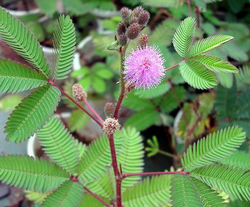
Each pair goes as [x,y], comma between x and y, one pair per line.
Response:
[144,67]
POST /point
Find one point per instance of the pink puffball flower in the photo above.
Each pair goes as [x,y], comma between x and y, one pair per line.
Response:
[144,67]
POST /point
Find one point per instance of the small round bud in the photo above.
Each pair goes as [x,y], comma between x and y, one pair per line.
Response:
[110,126]
[133,19]
[125,13]
[109,109]
[121,28]
[78,92]
[137,10]
[133,31]
[123,39]
[143,17]
[143,40]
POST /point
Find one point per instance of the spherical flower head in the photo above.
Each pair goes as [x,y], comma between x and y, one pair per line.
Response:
[144,67]
[110,126]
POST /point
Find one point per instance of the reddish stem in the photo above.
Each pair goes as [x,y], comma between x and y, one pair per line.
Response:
[97,197]
[118,177]
[93,110]
[119,103]
[173,66]
[75,102]
[155,173]
[197,12]
[189,7]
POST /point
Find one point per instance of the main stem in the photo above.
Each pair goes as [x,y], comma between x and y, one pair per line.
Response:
[116,170]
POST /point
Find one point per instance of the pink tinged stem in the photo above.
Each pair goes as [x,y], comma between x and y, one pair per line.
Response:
[96,196]
[93,110]
[76,103]
[118,177]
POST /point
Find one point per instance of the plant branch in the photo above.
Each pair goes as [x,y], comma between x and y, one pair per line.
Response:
[158,15]
[97,197]
[189,7]
[93,110]
[75,102]
[118,177]
[166,153]
[173,66]
[155,173]
[197,12]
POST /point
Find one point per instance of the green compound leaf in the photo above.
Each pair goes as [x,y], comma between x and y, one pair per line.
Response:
[68,194]
[163,3]
[15,77]
[18,37]
[215,64]
[64,41]
[208,196]
[150,192]
[90,201]
[243,109]
[239,159]
[32,113]
[183,36]
[213,148]
[225,79]
[197,75]
[94,161]
[231,180]
[30,174]
[47,6]
[208,44]
[183,192]
[58,143]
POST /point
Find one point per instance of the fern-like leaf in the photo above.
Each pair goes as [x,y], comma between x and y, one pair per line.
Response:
[96,158]
[163,3]
[208,196]
[32,113]
[90,201]
[197,75]
[68,194]
[58,143]
[243,77]
[15,77]
[183,36]
[243,109]
[183,192]
[225,79]
[215,64]
[64,40]
[17,36]
[208,44]
[214,147]
[36,197]
[25,172]
[150,192]
[239,159]
[232,180]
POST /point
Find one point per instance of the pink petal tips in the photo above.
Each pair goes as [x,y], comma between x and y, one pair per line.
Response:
[144,67]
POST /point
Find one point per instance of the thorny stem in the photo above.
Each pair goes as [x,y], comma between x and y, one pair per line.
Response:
[97,197]
[118,177]
[93,110]
[155,173]
[75,102]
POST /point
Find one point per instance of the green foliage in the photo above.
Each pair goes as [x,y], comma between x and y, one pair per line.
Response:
[64,40]
[183,192]
[58,143]
[68,194]
[213,148]
[225,79]
[47,6]
[78,120]
[183,36]
[163,3]
[154,146]
[27,173]
[243,105]
[243,77]
[15,77]
[9,102]
[232,180]
[197,75]
[239,159]
[32,113]
[150,192]
[36,197]
[22,41]
[207,44]
[90,201]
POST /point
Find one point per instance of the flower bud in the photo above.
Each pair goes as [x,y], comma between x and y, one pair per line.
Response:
[110,126]
[143,40]
[121,29]
[123,39]
[137,11]
[143,17]
[125,13]
[133,19]
[133,31]
[78,92]
[109,109]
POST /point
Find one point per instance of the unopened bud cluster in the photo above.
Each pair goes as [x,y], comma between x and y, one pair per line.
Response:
[78,92]
[109,109]
[110,126]
[132,24]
